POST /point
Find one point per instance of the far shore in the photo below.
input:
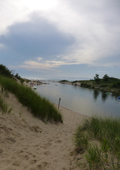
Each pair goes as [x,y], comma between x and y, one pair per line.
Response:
[89,84]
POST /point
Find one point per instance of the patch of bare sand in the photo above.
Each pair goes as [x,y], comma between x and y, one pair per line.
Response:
[28,143]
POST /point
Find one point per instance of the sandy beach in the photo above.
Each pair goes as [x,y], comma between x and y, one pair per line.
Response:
[28,143]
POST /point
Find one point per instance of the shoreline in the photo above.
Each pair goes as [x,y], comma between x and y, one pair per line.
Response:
[56,105]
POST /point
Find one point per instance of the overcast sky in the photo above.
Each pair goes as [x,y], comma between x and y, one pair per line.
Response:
[60,39]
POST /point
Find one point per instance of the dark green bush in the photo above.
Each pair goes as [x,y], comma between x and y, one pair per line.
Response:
[5,72]
[104,85]
[116,84]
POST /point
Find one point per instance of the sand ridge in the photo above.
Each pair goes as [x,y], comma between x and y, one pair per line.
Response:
[28,143]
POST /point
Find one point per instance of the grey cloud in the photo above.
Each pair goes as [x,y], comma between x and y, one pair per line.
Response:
[36,38]
[113,61]
[105,11]
[101,26]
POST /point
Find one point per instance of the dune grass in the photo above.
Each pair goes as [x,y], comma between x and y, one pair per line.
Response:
[100,140]
[4,108]
[40,107]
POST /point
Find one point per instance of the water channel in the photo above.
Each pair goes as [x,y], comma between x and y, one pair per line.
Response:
[82,100]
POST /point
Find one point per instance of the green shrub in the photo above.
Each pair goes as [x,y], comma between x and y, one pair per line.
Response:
[104,85]
[116,84]
[4,71]
[86,85]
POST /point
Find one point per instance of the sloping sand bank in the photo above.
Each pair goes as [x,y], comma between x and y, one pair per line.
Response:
[28,143]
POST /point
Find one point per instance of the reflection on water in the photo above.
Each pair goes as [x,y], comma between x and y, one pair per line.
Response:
[81,100]
[104,96]
[115,96]
[95,93]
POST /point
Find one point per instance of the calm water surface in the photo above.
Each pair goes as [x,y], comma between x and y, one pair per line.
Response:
[82,100]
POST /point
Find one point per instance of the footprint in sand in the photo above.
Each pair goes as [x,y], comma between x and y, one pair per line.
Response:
[47,153]
[33,169]
[44,147]
[43,165]
[33,161]
[9,168]
[58,141]
[47,145]
[1,151]
[24,156]
[34,156]
[39,167]
[50,140]
[16,163]
[11,140]
[64,169]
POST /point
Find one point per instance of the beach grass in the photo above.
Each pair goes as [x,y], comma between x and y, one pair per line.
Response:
[4,107]
[40,107]
[100,139]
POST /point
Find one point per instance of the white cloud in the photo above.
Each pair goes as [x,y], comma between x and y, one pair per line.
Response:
[38,65]
[39,58]
[12,11]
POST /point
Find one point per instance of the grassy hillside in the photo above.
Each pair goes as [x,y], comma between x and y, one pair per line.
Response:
[39,107]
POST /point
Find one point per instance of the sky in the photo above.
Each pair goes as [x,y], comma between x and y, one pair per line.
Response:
[60,39]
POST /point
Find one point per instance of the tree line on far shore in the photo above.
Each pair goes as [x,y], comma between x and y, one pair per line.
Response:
[107,79]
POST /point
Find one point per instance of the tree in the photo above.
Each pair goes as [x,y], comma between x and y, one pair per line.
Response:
[17,76]
[105,77]
[4,71]
[96,78]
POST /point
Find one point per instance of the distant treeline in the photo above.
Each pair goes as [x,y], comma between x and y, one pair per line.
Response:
[106,83]
[63,81]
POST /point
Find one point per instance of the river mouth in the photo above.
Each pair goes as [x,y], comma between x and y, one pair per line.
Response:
[90,102]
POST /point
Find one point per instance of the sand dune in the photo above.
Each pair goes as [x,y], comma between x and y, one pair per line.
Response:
[28,143]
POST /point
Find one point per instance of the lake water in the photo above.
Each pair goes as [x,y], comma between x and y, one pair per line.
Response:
[82,100]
